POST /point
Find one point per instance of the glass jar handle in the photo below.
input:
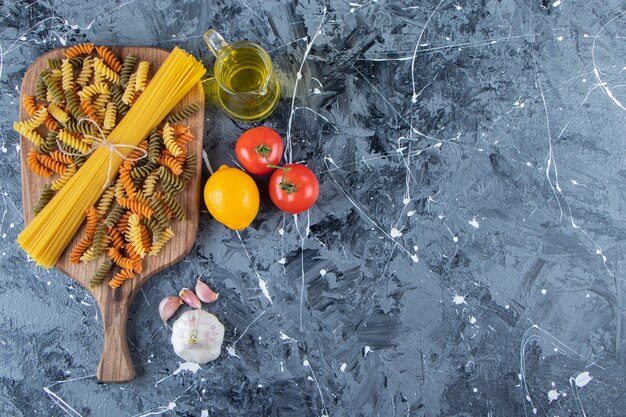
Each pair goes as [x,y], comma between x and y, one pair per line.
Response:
[215,41]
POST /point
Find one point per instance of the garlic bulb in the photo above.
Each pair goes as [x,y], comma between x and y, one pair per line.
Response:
[197,336]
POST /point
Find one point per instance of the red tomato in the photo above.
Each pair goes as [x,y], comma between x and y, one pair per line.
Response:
[257,148]
[293,188]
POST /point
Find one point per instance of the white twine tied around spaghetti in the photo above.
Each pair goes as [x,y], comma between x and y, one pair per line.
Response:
[102,142]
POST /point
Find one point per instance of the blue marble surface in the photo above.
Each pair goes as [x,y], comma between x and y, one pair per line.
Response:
[466,255]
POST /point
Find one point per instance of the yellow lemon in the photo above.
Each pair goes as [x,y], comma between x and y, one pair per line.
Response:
[232,197]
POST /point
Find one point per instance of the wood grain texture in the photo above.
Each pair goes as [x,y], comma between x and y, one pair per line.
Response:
[116,363]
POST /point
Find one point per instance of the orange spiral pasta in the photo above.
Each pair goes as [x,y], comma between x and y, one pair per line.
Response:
[136,207]
[61,157]
[109,57]
[175,166]
[51,164]
[120,277]
[50,123]
[80,49]
[89,110]
[30,105]
[184,138]
[119,259]
[36,166]
[117,240]
[127,180]
[79,250]
[91,222]
[132,254]
[122,224]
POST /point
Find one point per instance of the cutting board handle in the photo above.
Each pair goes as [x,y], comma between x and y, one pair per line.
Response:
[116,365]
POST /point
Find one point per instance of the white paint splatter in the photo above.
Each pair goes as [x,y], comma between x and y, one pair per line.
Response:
[343,367]
[323,272]
[582,379]
[231,351]
[544,291]
[455,238]
[472,319]
[316,90]
[474,223]
[366,350]
[560,38]
[410,213]
[415,258]
[395,232]
[458,299]
[553,395]
[282,261]
[283,336]
[557,3]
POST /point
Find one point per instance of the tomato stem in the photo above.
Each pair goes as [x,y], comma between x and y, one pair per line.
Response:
[263,151]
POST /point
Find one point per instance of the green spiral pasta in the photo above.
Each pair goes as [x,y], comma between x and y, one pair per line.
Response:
[127,68]
[44,198]
[142,171]
[50,143]
[41,90]
[116,94]
[155,146]
[190,167]
[100,274]
[53,63]
[114,216]
[160,218]
[83,127]
[54,88]
[183,114]
[73,104]
[170,181]
[175,206]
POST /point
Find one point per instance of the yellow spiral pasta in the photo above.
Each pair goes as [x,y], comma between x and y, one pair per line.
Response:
[85,72]
[35,121]
[110,116]
[168,140]
[31,135]
[89,91]
[142,76]
[58,113]
[129,92]
[105,72]
[63,179]
[158,245]
[67,75]
[133,234]
[74,141]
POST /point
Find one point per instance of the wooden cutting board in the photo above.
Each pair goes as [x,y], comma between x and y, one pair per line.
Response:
[116,364]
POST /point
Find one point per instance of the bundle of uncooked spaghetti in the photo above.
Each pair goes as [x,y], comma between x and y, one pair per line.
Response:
[45,238]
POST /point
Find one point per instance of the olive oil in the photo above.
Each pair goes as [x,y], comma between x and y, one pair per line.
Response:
[243,71]
[247,89]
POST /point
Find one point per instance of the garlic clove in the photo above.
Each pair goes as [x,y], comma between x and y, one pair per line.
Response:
[190,298]
[168,307]
[205,293]
[197,336]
